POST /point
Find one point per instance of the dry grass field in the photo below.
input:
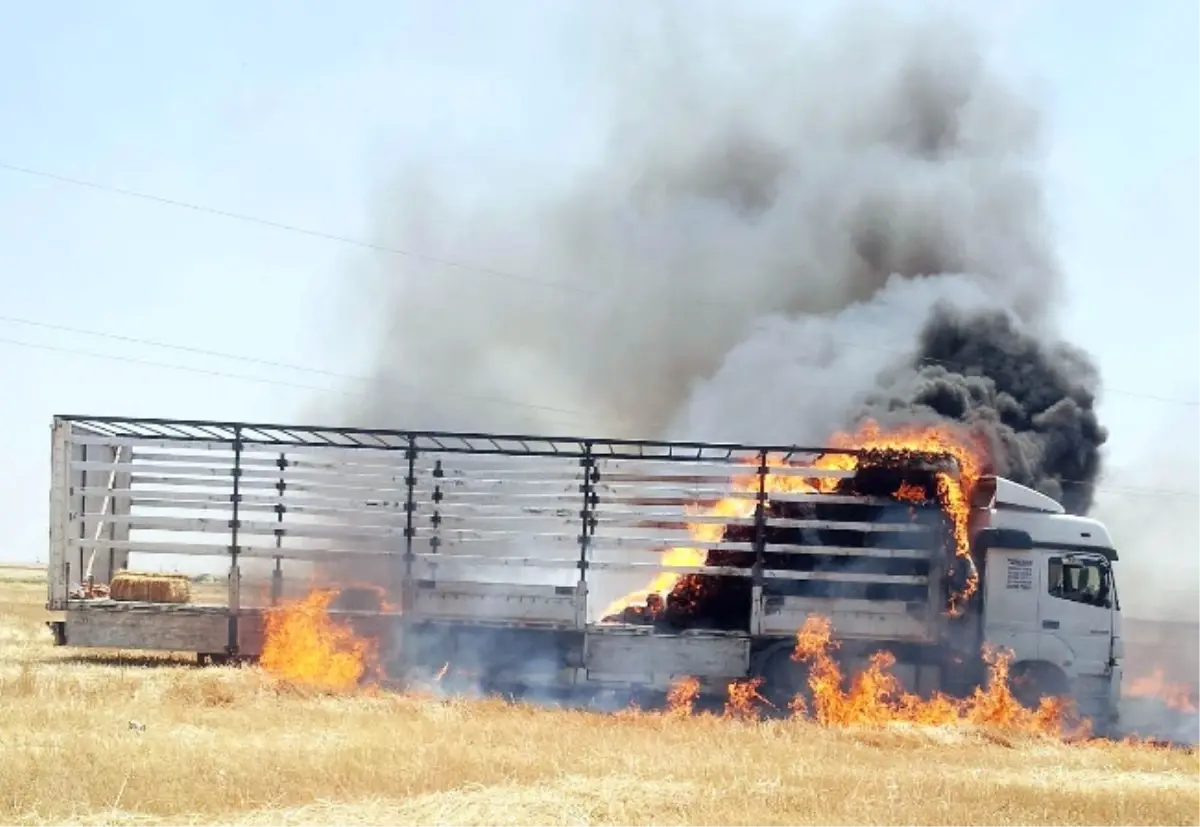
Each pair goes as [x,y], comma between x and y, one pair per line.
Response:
[89,738]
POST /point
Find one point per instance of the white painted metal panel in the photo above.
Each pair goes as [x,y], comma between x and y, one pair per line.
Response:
[58,574]
[851,619]
[497,603]
[636,655]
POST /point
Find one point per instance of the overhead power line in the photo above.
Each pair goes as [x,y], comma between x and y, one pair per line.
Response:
[243,377]
[576,416]
[292,228]
[1120,491]
[441,261]
[199,351]
[415,255]
[390,250]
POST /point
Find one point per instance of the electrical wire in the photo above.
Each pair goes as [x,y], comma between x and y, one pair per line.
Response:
[1121,491]
[437,260]
[262,380]
[397,251]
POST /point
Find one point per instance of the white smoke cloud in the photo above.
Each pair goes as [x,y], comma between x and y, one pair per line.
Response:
[1149,506]
[798,379]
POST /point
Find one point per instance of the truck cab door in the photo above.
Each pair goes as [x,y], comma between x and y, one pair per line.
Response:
[1011,588]
[1075,611]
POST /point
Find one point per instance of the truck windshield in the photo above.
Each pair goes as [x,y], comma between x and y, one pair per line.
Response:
[1080,580]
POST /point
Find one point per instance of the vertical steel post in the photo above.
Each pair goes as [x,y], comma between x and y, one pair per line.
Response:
[235,575]
[435,519]
[760,543]
[83,532]
[410,507]
[112,511]
[760,518]
[280,508]
[62,493]
[587,523]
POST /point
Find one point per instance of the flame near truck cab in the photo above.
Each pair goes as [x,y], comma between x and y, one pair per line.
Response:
[493,551]
[1050,595]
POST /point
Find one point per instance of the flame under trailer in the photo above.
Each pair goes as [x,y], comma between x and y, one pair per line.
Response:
[499,553]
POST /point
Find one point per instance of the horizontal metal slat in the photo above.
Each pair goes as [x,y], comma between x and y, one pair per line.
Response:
[448,560]
[771,548]
[683,522]
[293,495]
[263,484]
[222,550]
[203,525]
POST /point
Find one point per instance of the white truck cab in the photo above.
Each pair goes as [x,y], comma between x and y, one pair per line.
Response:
[1050,596]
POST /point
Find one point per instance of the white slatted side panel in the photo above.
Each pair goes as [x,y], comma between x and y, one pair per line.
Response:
[487,518]
[482,518]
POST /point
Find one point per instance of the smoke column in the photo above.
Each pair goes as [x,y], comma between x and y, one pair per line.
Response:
[756,180]
[784,231]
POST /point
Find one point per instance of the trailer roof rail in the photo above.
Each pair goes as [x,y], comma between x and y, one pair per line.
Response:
[468,442]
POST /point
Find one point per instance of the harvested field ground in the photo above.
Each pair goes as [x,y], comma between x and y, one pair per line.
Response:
[91,738]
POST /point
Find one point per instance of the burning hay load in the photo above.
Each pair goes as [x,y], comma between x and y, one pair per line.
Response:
[920,475]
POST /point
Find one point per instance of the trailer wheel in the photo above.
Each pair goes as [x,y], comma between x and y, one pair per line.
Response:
[783,679]
[1030,681]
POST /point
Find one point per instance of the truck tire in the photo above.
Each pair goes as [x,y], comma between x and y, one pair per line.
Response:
[1031,680]
[783,679]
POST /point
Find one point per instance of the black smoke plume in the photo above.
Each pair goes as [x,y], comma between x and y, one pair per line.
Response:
[1034,400]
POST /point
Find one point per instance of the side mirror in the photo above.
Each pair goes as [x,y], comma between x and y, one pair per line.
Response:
[1104,596]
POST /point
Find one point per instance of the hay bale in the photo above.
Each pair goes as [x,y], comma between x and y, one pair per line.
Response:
[150,588]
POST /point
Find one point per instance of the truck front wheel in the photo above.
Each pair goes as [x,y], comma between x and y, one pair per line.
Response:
[783,680]
[1030,681]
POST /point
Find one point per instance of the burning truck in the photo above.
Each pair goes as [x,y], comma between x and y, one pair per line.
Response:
[487,551]
[909,549]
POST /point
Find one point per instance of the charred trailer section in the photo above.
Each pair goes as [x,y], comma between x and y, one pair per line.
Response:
[883,523]
[878,538]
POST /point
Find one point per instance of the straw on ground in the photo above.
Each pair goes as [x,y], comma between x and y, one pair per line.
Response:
[89,739]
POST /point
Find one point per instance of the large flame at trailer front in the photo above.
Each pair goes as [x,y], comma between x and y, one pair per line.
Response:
[953,493]
[876,697]
[302,644]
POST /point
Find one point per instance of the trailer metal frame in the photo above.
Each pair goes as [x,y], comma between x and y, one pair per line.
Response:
[407,505]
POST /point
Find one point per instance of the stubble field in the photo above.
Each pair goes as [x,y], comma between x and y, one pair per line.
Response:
[101,738]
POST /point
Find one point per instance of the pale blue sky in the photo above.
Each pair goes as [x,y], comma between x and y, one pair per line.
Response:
[298,111]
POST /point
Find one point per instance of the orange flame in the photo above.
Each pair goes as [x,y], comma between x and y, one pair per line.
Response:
[665,581]
[910,493]
[681,698]
[304,645]
[1177,696]
[953,492]
[742,698]
[875,696]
